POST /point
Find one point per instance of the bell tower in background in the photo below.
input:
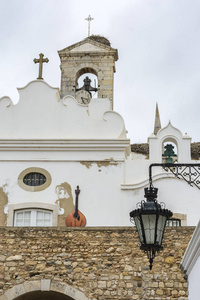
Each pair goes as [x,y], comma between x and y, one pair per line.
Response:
[93,55]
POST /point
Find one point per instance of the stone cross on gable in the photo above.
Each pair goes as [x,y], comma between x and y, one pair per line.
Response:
[89,19]
[41,60]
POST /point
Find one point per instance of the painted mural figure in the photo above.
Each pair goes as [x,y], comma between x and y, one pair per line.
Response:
[3,204]
[65,202]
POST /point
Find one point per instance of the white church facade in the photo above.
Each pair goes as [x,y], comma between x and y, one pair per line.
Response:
[54,140]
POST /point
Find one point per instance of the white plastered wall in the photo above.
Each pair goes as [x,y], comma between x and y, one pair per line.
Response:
[85,145]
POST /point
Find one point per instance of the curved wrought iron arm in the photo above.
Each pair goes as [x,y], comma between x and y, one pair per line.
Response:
[189,172]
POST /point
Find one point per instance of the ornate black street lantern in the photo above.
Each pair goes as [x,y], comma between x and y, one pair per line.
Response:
[150,219]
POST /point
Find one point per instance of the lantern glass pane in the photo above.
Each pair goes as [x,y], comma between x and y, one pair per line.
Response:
[139,228]
[160,228]
[149,223]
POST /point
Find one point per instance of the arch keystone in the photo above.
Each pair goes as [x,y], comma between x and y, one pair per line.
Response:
[45,284]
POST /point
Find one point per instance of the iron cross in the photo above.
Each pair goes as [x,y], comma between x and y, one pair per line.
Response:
[89,19]
[40,61]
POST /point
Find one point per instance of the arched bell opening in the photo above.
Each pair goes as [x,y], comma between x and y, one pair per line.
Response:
[43,295]
[169,150]
[87,80]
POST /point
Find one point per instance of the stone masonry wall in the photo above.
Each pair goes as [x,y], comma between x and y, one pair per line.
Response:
[103,263]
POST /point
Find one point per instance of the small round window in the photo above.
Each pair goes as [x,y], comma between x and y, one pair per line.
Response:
[34,179]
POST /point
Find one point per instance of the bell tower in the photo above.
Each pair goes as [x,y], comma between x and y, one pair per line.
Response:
[92,55]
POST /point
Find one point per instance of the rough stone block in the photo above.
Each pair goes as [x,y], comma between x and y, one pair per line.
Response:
[2,257]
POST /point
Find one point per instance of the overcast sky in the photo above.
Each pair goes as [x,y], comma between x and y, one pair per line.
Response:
[158,42]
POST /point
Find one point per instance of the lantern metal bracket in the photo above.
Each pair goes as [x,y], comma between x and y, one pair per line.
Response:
[189,172]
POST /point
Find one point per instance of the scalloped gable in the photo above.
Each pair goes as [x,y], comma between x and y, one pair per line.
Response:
[88,45]
[169,133]
[171,130]
[41,114]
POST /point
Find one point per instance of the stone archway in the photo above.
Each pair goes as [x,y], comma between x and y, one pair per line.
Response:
[41,290]
[39,295]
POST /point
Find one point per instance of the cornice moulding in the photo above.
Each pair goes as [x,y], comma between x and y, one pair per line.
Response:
[64,145]
[142,184]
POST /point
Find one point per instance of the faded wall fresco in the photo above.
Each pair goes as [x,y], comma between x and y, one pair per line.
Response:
[65,201]
[3,202]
